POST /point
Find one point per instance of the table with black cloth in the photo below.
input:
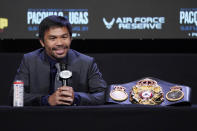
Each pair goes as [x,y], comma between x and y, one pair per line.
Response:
[99,118]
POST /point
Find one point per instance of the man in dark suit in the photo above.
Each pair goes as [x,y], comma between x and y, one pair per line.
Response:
[39,73]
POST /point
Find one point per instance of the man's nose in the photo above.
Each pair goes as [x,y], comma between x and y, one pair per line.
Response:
[59,42]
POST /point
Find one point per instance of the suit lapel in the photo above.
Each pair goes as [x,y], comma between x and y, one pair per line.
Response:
[74,68]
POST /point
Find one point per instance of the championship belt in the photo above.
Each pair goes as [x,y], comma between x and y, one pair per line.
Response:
[149,91]
[146,92]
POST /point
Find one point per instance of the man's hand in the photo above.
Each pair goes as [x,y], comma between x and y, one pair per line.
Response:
[63,96]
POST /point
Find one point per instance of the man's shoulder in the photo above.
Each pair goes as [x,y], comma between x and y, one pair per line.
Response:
[34,54]
[81,56]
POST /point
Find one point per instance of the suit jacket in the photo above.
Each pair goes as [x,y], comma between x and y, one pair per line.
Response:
[86,79]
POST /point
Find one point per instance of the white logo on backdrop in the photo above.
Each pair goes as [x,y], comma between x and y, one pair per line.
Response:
[109,24]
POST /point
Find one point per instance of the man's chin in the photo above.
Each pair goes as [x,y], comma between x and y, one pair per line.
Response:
[60,56]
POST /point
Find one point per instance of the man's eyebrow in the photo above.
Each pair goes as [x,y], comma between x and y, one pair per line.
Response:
[59,35]
[65,34]
[52,36]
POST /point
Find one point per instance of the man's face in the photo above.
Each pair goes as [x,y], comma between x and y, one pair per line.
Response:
[56,42]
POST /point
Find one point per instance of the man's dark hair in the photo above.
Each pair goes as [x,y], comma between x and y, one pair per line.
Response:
[53,21]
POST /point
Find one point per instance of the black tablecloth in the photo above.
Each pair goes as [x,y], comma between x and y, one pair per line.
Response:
[99,118]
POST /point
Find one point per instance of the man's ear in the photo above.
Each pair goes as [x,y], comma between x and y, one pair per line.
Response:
[42,43]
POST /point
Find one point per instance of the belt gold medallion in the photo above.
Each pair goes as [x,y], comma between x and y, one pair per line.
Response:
[146,92]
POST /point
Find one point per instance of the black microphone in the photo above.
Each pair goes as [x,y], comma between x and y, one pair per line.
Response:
[64,74]
[63,67]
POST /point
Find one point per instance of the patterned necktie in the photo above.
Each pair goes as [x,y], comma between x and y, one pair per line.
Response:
[58,82]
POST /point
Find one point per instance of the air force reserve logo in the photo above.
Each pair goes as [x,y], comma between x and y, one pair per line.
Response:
[3,23]
[108,24]
[135,23]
